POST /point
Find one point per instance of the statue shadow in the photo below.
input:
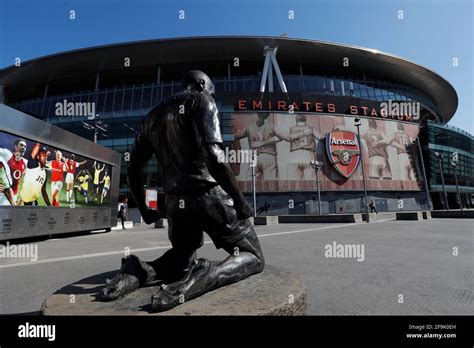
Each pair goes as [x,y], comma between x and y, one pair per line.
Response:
[87,286]
[93,284]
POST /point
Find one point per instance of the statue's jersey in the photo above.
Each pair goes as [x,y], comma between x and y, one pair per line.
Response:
[191,116]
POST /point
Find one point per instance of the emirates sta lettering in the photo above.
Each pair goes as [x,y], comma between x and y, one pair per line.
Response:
[321,107]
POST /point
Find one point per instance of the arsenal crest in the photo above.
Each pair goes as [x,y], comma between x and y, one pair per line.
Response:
[343,151]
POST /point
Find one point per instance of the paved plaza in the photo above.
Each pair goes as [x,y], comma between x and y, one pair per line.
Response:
[407,267]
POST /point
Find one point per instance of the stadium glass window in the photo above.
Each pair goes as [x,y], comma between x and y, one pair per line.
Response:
[254,85]
[239,85]
[166,90]
[127,99]
[33,107]
[156,95]
[371,93]
[326,87]
[146,98]
[75,98]
[46,108]
[313,85]
[363,91]
[228,85]
[109,101]
[294,85]
[100,102]
[52,107]
[219,87]
[332,89]
[355,89]
[118,100]
[27,107]
[378,94]
[402,95]
[337,87]
[137,98]
[347,88]
[305,83]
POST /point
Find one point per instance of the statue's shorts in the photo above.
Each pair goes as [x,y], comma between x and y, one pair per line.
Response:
[212,211]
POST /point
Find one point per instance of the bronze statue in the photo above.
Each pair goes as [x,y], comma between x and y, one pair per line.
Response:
[201,195]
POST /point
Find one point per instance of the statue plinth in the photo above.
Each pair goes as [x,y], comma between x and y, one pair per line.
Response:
[275,291]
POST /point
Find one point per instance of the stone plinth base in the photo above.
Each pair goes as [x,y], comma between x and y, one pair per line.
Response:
[265,220]
[272,292]
[328,218]
[426,215]
[453,214]
[410,215]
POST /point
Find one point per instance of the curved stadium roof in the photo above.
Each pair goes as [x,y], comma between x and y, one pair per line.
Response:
[225,48]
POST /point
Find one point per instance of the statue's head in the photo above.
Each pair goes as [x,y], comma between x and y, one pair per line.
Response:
[198,81]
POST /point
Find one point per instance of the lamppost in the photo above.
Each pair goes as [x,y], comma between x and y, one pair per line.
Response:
[417,140]
[357,123]
[453,165]
[439,156]
[253,165]
[317,165]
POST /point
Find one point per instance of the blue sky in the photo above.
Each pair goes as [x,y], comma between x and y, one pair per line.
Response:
[431,33]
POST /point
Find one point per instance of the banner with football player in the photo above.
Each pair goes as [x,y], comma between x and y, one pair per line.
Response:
[285,144]
[35,174]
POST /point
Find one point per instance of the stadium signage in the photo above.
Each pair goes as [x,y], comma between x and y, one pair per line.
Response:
[343,152]
[343,141]
[294,103]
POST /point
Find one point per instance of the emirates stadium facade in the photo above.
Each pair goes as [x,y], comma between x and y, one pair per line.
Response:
[292,101]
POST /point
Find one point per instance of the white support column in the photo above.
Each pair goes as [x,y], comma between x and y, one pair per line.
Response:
[264,72]
[267,73]
[278,74]
[270,76]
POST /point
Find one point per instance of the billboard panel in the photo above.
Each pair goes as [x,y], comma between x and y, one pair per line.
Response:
[34,174]
[286,143]
[52,181]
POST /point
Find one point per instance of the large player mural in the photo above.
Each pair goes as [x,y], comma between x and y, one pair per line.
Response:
[286,143]
[34,174]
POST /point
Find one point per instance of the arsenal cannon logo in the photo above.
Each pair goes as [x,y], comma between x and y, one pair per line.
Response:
[343,151]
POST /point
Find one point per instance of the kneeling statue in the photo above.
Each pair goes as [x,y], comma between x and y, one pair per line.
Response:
[201,196]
